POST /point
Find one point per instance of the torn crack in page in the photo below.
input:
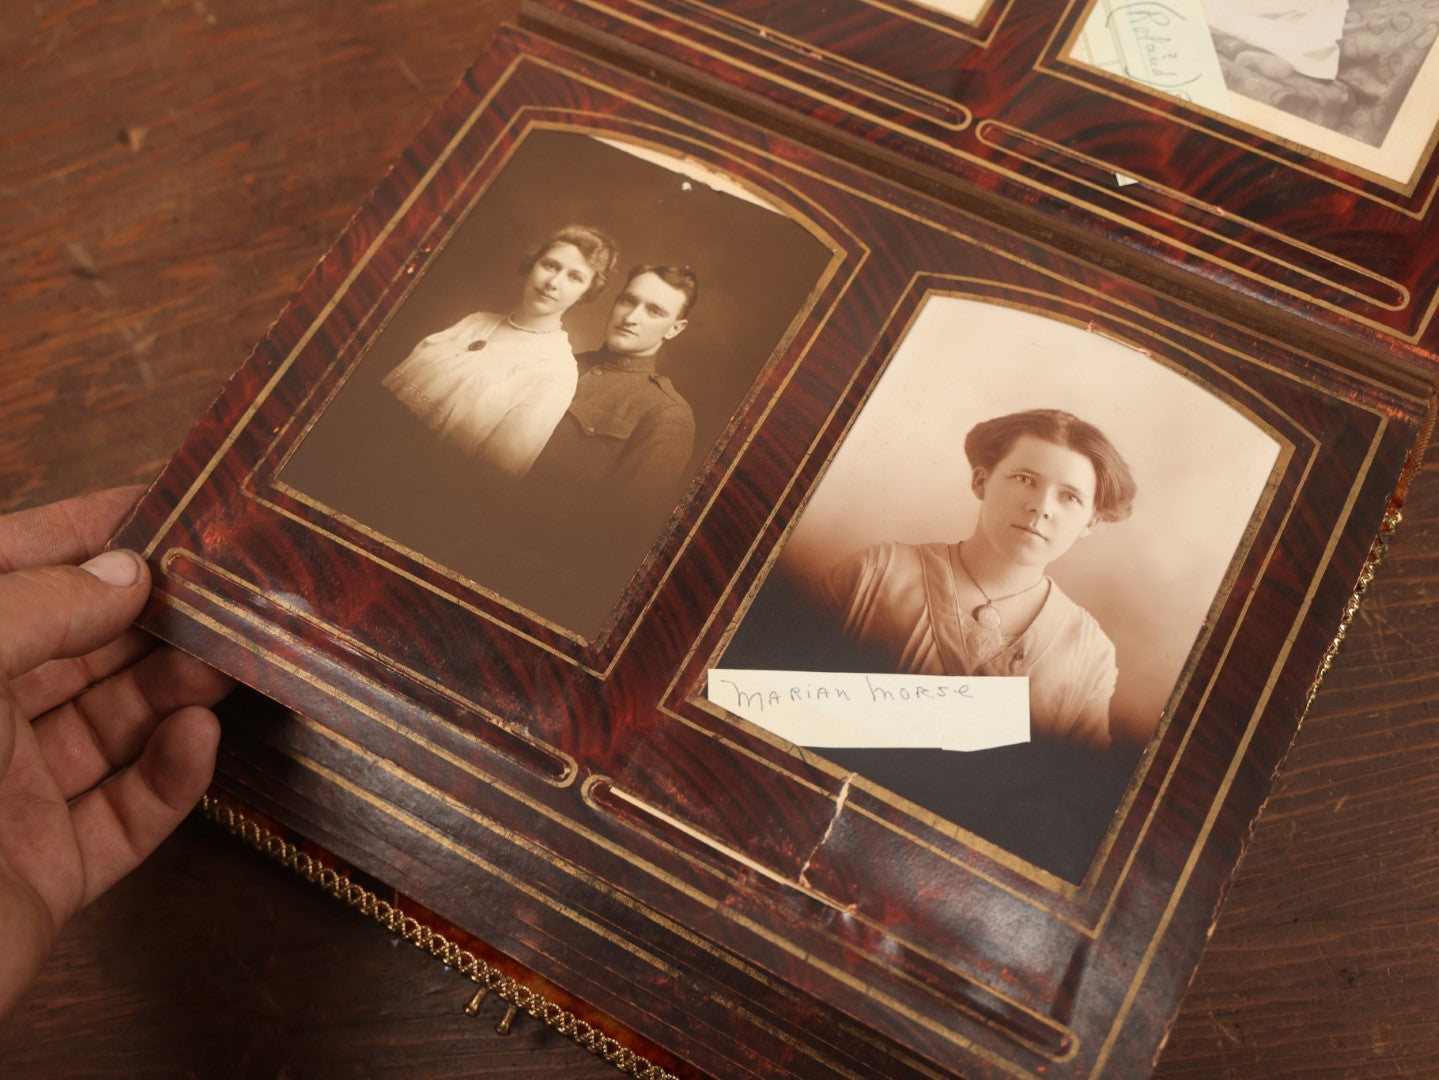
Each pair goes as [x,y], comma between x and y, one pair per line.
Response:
[656,814]
[839,802]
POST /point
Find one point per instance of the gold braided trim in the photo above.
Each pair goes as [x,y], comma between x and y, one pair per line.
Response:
[1377,552]
[489,978]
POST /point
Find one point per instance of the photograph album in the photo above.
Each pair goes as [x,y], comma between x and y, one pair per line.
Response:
[813,535]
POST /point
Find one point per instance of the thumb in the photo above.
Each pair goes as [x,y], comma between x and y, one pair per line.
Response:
[60,611]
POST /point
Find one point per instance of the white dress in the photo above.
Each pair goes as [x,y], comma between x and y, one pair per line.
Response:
[494,400]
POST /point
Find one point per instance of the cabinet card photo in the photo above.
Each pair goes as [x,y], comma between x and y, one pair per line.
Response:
[531,415]
[1020,498]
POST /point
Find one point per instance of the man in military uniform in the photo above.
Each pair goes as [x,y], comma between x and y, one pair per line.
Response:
[564,541]
[628,433]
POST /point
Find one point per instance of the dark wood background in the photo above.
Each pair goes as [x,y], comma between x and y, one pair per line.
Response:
[169,170]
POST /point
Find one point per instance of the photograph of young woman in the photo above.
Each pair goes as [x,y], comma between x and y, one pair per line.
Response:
[493,386]
[985,605]
[1019,496]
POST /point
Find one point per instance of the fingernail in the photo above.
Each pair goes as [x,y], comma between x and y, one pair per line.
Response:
[120,568]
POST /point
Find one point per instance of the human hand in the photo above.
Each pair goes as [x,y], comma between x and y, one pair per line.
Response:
[104,743]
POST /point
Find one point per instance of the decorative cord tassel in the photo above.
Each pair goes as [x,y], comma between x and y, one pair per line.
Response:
[473,1008]
[410,929]
[508,1020]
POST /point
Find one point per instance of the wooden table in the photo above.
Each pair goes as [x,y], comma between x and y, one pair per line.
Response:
[169,169]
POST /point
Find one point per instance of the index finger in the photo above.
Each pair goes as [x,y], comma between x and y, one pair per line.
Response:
[69,531]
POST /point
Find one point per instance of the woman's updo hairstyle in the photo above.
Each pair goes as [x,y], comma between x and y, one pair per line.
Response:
[990,440]
[598,249]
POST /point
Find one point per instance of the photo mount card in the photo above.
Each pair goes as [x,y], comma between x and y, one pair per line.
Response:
[1173,131]
[891,415]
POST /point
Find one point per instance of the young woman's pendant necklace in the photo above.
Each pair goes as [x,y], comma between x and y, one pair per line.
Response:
[987,615]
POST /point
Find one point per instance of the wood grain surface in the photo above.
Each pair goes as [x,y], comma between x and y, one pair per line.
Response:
[168,172]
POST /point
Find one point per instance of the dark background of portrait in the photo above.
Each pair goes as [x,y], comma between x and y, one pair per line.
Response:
[1046,802]
[363,459]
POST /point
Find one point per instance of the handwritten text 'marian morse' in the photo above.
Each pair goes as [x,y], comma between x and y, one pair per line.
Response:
[870,709]
[745,700]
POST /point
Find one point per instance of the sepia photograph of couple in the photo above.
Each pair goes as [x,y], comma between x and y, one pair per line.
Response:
[533,412]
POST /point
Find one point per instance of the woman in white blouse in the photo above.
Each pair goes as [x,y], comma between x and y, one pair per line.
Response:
[493,386]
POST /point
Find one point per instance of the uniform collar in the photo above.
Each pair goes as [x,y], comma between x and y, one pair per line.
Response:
[640,365]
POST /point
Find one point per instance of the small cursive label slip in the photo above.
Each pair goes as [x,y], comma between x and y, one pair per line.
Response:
[1166,45]
[864,709]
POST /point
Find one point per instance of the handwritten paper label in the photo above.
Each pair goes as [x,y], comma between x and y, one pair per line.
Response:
[1164,45]
[859,709]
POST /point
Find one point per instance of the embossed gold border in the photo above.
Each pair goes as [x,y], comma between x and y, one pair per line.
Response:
[582,123]
[878,959]
[299,614]
[522,121]
[1129,224]
[916,12]
[800,49]
[1402,300]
